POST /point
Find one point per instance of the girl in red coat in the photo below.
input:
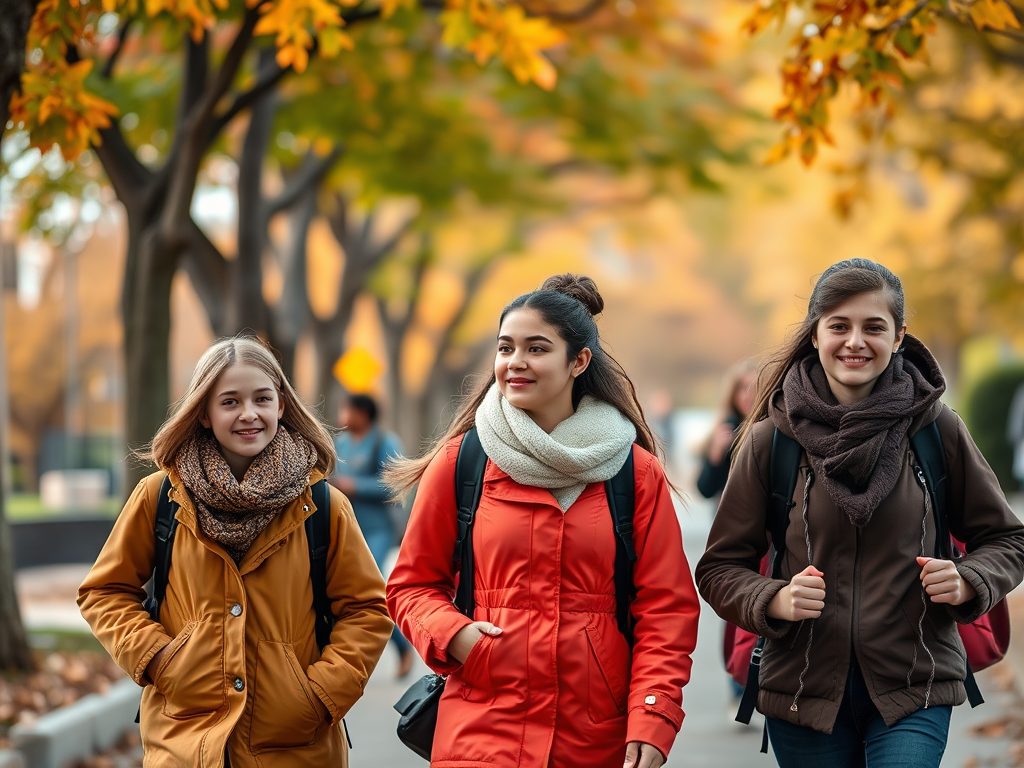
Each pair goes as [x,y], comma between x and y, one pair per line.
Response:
[542,675]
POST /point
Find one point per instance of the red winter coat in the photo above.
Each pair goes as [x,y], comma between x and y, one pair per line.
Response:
[559,686]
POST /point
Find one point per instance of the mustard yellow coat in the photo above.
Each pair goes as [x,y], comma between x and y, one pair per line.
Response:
[243,674]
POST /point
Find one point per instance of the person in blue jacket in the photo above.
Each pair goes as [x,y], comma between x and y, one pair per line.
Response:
[363,448]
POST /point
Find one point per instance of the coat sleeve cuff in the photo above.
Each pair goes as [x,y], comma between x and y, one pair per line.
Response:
[772,629]
[653,719]
[975,608]
[138,673]
[440,636]
[333,712]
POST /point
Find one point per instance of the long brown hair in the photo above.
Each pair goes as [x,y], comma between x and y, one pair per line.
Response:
[183,424]
[838,284]
[568,303]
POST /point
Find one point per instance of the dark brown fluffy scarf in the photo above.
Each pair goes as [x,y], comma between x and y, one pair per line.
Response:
[234,513]
[857,449]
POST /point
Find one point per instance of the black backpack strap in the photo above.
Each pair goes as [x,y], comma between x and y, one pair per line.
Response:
[164,528]
[927,446]
[318,538]
[469,485]
[621,493]
[783,473]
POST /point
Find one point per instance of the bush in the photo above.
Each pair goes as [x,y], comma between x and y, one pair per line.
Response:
[987,408]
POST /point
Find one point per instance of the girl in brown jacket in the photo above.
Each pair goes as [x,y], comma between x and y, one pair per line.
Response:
[863,660]
[232,672]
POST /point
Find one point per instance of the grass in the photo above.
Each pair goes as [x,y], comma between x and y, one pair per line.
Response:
[64,641]
[26,506]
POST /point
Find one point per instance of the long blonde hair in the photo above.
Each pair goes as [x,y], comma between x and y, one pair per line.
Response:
[569,304]
[183,423]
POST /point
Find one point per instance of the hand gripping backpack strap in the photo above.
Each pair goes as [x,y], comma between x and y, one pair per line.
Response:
[469,485]
[927,446]
[783,473]
[621,493]
[318,539]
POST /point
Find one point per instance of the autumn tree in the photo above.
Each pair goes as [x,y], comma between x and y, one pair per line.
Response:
[76,49]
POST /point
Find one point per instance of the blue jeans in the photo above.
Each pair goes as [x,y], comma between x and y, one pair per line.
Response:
[380,541]
[861,739]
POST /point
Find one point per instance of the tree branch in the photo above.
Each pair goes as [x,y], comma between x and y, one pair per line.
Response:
[585,11]
[265,82]
[1015,36]
[197,65]
[310,174]
[228,69]
[122,36]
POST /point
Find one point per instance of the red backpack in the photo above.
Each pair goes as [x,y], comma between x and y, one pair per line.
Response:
[985,640]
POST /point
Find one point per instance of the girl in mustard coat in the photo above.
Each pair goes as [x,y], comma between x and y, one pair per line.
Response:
[541,674]
[231,672]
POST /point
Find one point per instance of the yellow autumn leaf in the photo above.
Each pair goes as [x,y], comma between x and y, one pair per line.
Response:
[995,14]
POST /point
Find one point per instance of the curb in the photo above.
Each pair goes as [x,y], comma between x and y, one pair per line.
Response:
[80,730]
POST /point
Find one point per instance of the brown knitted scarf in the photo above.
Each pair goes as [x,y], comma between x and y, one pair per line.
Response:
[233,513]
[856,449]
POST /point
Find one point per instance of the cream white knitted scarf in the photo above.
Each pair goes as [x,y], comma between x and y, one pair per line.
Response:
[588,447]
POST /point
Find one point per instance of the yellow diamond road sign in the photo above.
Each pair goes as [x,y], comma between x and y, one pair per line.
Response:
[357,370]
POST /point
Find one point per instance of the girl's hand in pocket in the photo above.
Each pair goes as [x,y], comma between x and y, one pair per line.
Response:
[460,646]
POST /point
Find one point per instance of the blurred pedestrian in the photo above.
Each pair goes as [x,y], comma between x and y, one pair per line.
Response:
[232,671]
[542,674]
[738,390]
[363,448]
[1015,433]
[863,660]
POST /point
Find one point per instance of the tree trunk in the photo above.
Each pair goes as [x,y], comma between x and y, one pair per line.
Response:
[15,19]
[249,309]
[292,314]
[147,330]
[15,655]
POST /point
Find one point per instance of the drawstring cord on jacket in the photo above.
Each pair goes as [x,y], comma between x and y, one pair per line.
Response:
[810,561]
[924,600]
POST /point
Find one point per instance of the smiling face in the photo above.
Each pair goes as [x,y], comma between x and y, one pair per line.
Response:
[855,342]
[533,369]
[243,411]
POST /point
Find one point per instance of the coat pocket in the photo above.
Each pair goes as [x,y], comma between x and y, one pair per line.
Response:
[607,689]
[189,677]
[285,714]
[475,673]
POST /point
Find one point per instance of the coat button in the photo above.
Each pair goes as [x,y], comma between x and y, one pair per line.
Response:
[305,507]
[239,684]
[236,610]
[651,700]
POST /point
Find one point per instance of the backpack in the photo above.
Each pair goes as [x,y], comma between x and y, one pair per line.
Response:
[318,538]
[620,491]
[985,640]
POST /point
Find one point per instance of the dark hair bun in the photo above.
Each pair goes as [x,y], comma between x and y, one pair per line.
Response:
[580,287]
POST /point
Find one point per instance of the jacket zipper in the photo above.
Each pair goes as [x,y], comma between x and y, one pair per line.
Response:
[856,598]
